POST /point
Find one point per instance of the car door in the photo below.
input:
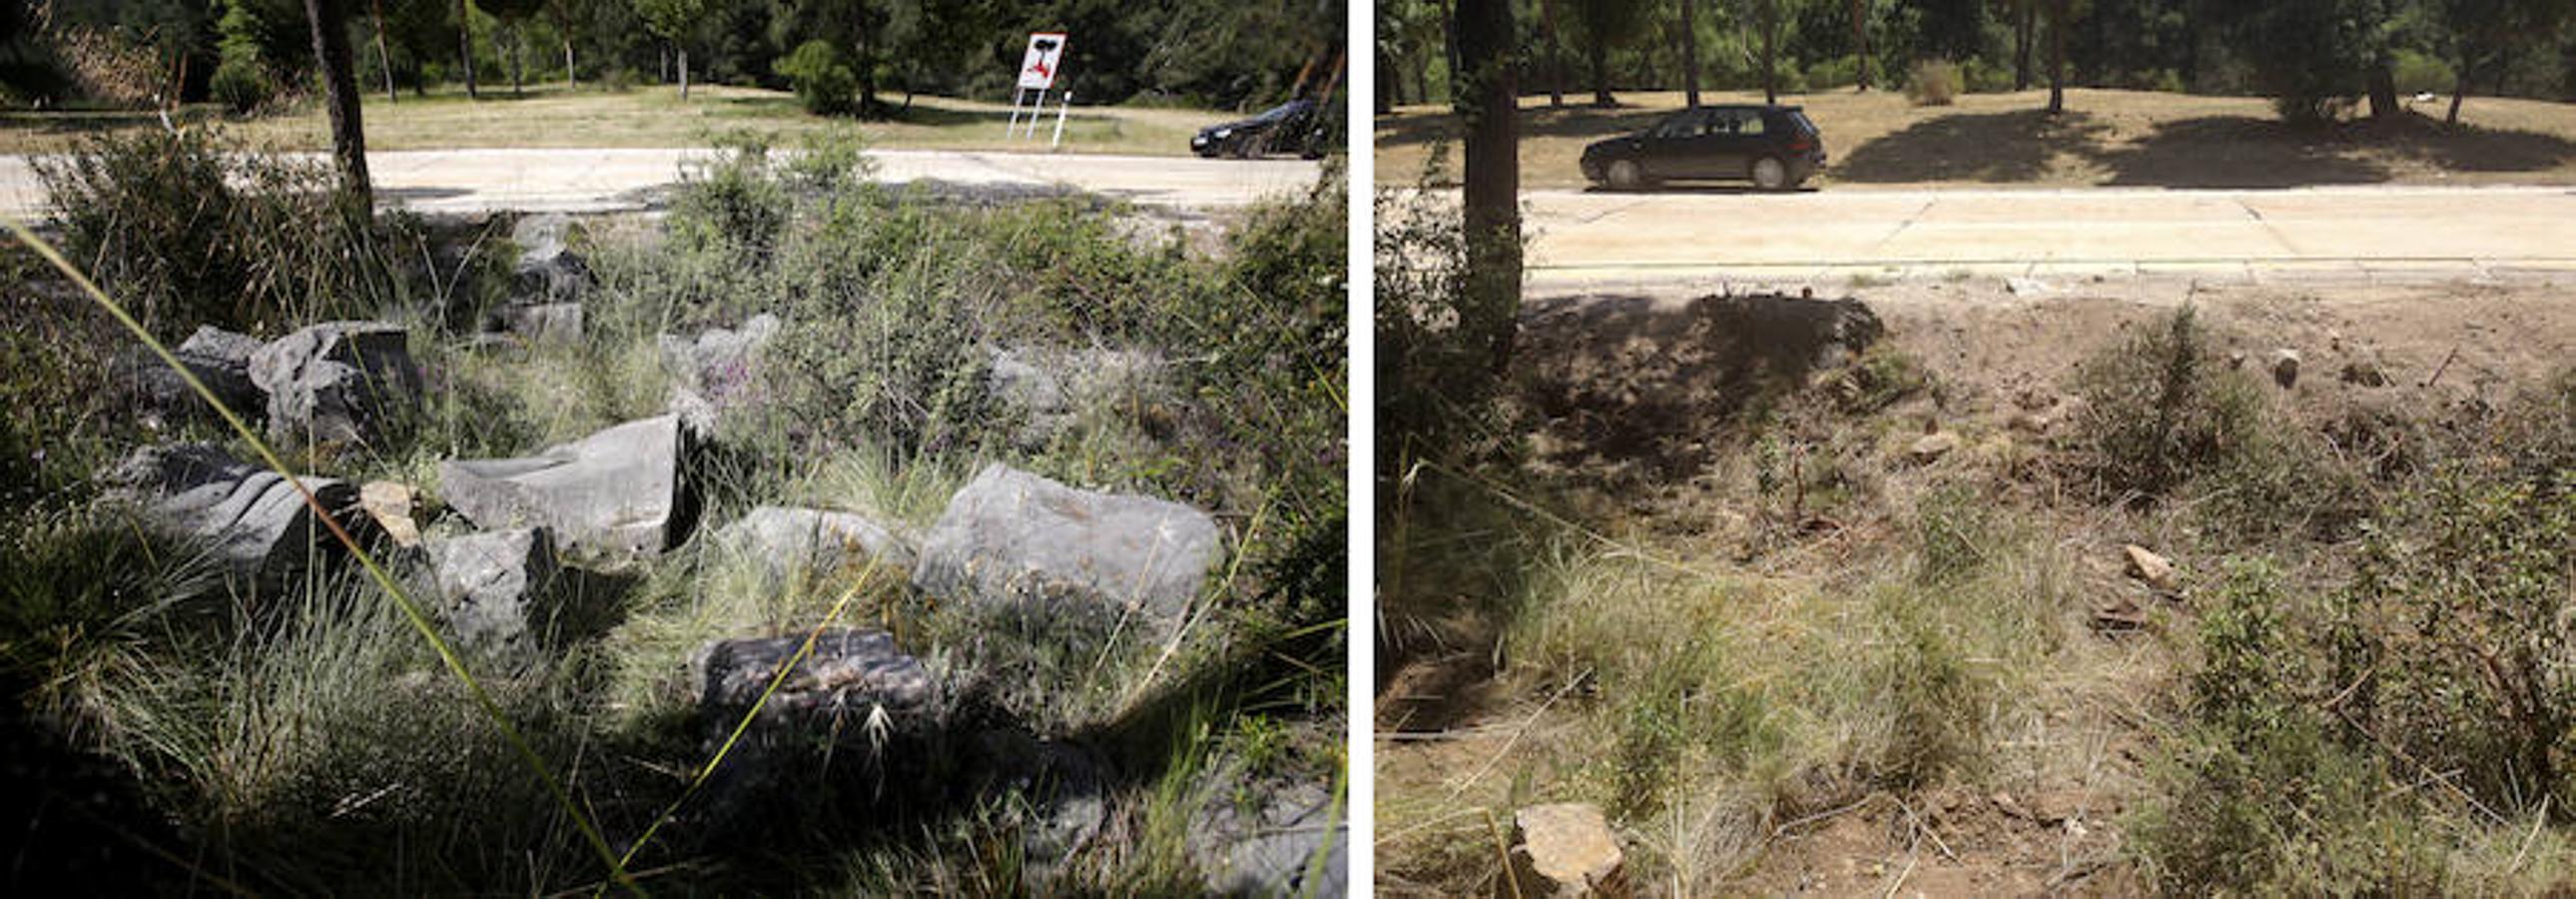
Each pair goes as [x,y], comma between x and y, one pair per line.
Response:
[1672,145]
[1733,136]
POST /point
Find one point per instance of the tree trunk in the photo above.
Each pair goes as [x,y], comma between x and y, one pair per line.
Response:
[2025,26]
[1448,44]
[518,61]
[2057,14]
[1555,54]
[339,81]
[2383,90]
[1860,39]
[684,73]
[378,8]
[465,46]
[572,77]
[1492,201]
[1386,87]
[1600,59]
[1690,54]
[1768,13]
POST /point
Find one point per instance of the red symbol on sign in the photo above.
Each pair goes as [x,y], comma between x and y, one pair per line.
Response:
[1040,67]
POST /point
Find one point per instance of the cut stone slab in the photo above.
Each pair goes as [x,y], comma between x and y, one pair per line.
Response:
[611,498]
[220,359]
[817,543]
[1018,542]
[1566,850]
[250,518]
[390,504]
[337,382]
[548,270]
[486,582]
[717,371]
[559,323]
[1269,848]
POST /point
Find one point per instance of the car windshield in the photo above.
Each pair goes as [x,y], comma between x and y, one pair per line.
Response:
[1282,111]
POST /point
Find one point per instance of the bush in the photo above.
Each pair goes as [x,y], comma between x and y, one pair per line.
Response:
[1933,82]
[1982,77]
[1838,72]
[2160,410]
[823,80]
[2420,73]
[731,201]
[241,78]
[187,229]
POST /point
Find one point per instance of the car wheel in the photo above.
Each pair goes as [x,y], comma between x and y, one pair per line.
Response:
[1626,175]
[1769,173]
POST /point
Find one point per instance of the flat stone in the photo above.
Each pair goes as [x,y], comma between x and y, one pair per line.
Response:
[486,582]
[1016,541]
[813,543]
[251,519]
[1566,850]
[390,504]
[2146,566]
[609,499]
[337,382]
[1931,447]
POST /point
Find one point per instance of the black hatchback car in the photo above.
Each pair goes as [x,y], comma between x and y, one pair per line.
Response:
[1289,127]
[1775,147]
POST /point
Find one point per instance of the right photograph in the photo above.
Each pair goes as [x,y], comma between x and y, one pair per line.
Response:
[1964,448]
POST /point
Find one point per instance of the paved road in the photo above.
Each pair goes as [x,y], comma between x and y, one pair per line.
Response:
[1596,239]
[605,180]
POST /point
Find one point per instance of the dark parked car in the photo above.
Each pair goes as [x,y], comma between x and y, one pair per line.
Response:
[1775,147]
[1289,127]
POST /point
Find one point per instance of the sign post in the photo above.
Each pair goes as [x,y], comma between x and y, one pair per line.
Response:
[1038,67]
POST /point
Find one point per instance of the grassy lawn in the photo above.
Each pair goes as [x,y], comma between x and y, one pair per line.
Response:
[551,116]
[2110,138]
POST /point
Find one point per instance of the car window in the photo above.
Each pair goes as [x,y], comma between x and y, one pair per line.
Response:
[1749,123]
[1680,125]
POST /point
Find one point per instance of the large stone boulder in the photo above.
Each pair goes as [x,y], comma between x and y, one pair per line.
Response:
[816,543]
[487,580]
[548,271]
[1269,846]
[1018,542]
[251,519]
[610,499]
[220,359]
[716,371]
[337,382]
[873,711]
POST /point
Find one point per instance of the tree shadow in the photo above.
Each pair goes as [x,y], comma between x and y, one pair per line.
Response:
[1994,148]
[2241,152]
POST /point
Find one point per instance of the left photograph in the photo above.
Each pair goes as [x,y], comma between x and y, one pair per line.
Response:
[744,447]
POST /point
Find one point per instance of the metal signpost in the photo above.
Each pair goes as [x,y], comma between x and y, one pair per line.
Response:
[1038,69]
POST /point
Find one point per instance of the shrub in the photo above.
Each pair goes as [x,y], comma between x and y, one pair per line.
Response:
[2159,410]
[241,78]
[823,80]
[1933,82]
[2418,73]
[187,229]
[731,201]
[1838,72]
[1982,77]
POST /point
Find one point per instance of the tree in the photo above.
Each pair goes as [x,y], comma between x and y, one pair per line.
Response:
[2485,32]
[671,20]
[1690,54]
[339,81]
[2061,15]
[563,13]
[2025,15]
[1766,19]
[1860,39]
[1604,23]
[1489,107]
[465,45]
[513,15]
[1555,52]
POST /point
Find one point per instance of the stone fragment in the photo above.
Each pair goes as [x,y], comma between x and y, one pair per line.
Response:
[612,498]
[487,582]
[1016,541]
[251,519]
[2148,567]
[390,504]
[337,382]
[1566,850]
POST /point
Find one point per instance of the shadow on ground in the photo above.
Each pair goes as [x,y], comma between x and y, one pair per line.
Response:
[1994,148]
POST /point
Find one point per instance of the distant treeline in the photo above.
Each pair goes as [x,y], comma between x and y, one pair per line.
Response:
[1228,53]
[2523,48]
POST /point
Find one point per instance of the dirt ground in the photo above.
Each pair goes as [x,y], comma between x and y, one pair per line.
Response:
[2109,137]
[1456,742]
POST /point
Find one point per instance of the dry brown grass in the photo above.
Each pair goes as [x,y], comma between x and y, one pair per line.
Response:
[2110,137]
[551,117]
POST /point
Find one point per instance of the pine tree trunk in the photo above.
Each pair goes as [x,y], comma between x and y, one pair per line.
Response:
[572,77]
[2058,14]
[1492,196]
[1555,54]
[1769,22]
[2023,28]
[1690,54]
[518,61]
[684,73]
[378,8]
[1860,39]
[465,46]
[1600,54]
[339,81]
[2383,90]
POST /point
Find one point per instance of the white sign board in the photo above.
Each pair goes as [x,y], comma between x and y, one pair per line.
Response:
[1037,67]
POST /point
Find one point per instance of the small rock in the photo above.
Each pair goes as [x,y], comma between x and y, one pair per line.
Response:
[548,270]
[1266,846]
[2364,373]
[1929,448]
[2235,359]
[337,382]
[1566,850]
[2285,367]
[389,503]
[220,359]
[610,498]
[487,580]
[2149,567]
